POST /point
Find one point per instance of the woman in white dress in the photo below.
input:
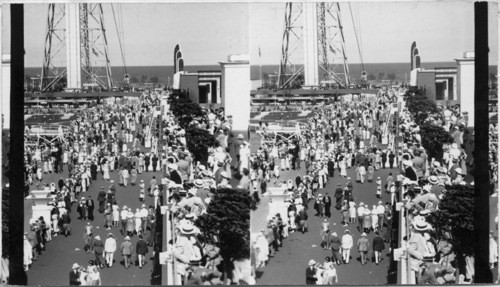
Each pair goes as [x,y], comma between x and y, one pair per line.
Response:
[116,214]
[84,177]
[262,248]
[343,169]
[374,214]
[138,221]
[105,170]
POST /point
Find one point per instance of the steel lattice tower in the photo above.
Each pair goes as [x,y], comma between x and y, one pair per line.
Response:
[76,47]
[313,45]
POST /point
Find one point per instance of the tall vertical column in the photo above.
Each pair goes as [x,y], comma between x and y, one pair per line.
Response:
[465,78]
[236,92]
[73,57]
[310,38]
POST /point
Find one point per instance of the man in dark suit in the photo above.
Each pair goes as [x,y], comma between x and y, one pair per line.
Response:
[101,198]
[391,159]
[142,249]
[302,220]
[74,276]
[331,168]
[311,273]
[67,202]
[147,160]
[384,158]
[155,162]
[327,200]
[90,208]
[339,193]
[93,171]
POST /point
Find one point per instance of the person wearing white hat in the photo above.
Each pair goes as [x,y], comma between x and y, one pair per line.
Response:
[74,275]
[123,217]
[360,214]
[311,273]
[109,249]
[347,244]
[417,245]
[126,249]
[363,247]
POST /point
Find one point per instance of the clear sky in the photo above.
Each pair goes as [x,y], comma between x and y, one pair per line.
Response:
[207,33]
[442,30]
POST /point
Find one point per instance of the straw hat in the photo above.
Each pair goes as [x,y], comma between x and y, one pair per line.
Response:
[312,262]
[421,225]
[459,171]
[363,234]
[187,227]
[198,183]
[433,179]
[75,266]
[127,238]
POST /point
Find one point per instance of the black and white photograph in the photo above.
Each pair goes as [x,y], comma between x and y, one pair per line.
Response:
[249,143]
[129,153]
[364,115]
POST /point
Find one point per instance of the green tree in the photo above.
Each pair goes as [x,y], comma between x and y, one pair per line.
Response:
[371,77]
[198,141]
[419,106]
[433,138]
[391,76]
[454,220]
[227,225]
[381,76]
[144,79]
[184,109]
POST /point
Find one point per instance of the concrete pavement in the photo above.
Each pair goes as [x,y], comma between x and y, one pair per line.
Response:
[54,265]
[289,264]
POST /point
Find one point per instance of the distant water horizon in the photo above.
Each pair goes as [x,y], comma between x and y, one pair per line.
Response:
[165,72]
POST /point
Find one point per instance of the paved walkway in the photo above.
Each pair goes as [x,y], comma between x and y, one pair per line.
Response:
[54,265]
[289,264]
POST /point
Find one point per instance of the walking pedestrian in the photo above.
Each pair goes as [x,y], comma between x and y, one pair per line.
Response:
[99,251]
[325,234]
[347,243]
[378,247]
[74,275]
[141,249]
[109,249]
[363,247]
[311,273]
[127,251]
[336,244]
[124,217]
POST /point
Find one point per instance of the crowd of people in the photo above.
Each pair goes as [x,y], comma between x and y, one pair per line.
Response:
[109,143]
[345,136]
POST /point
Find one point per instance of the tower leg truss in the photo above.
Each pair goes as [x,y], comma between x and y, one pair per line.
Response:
[76,49]
[324,51]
